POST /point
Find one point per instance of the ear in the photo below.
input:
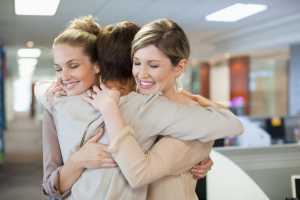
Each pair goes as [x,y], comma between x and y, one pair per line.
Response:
[181,66]
[96,68]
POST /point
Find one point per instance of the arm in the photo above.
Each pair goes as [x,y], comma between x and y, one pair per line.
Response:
[52,159]
[59,177]
[169,156]
[178,120]
[182,120]
[216,122]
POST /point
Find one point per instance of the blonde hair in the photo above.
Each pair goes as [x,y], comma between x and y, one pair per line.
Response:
[82,32]
[167,36]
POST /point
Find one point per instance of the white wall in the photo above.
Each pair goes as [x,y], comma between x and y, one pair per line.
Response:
[220,84]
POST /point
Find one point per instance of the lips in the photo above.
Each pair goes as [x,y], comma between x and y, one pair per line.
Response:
[146,84]
[70,85]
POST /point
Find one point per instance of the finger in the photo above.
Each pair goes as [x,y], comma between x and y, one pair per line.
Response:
[57,88]
[95,138]
[206,161]
[109,165]
[200,176]
[59,93]
[206,165]
[103,87]
[196,167]
[102,147]
[109,162]
[200,171]
[59,80]
[62,93]
[51,88]
[88,99]
[105,155]
[89,93]
[96,89]
[197,177]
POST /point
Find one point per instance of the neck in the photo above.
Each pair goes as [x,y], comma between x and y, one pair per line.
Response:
[172,94]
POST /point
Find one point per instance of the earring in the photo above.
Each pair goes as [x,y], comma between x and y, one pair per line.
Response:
[178,84]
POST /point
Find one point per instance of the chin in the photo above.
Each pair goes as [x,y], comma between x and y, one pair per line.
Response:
[74,92]
[146,91]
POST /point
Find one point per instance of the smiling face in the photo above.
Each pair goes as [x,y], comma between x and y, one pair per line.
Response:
[153,71]
[74,69]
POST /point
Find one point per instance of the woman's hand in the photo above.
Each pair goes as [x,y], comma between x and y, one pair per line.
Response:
[93,155]
[107,102]
[199,171]
[102,98]
[55,90]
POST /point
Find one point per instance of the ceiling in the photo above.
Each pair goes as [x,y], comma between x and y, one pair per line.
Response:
[278,27]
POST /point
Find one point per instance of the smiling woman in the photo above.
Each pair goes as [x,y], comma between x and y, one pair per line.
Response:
[74,52]
[154,71]
[75,69]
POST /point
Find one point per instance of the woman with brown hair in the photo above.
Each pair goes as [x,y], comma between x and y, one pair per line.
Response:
[76,167]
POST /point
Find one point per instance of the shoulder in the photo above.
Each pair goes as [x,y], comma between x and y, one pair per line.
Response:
[40,92]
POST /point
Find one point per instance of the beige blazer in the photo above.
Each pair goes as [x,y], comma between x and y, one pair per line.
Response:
[180,121]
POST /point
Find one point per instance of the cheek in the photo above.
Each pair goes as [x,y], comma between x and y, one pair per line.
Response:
[88,76]
[166,78]
[134,71]
[160,75]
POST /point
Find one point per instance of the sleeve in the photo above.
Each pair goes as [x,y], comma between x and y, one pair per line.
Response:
[187,122]
[203,123]
[52,158]
[169,156]
[40,90]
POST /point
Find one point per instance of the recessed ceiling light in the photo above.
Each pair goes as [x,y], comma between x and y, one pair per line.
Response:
[29,53]
[29,44]
[236,12]
[36,7]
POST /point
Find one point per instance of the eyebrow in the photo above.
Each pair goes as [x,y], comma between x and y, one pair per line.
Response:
[148,60]
[68,62]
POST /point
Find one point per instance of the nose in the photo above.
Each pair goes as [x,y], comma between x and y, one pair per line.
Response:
[143,72]
[65,74]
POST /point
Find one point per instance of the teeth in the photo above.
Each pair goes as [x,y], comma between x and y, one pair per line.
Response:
[146,83]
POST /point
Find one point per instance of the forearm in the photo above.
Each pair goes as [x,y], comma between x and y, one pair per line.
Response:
[138,167]
[52,158]
[169,156]
[114,122]
[68,175]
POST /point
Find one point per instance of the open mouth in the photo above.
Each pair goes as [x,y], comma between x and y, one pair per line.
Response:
[146,84]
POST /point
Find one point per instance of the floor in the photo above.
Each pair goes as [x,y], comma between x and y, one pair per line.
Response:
[21,172]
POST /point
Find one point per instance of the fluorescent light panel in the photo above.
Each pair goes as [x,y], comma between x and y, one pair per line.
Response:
[27,62]
[36,7]
[26,71]
[29,53]
[236,12]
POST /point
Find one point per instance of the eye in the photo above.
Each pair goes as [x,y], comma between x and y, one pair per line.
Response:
[136,63]
[57,69]
[154,66]
[73,65]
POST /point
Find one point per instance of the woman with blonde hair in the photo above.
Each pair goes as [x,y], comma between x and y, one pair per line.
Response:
[92,182]
[160,52]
